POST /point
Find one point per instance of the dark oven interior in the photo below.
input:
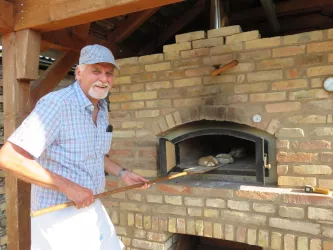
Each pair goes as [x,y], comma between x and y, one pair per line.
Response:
[248,152]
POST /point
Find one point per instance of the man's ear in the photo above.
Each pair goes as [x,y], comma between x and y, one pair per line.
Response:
[77,73]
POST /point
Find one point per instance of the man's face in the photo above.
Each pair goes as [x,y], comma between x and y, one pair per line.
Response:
[95,79]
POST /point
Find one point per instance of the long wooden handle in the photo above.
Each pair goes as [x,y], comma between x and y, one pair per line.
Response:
[321,190]
[101,195]
[224,68]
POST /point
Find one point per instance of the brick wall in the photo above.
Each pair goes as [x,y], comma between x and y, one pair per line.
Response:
[273,218]
[279,78]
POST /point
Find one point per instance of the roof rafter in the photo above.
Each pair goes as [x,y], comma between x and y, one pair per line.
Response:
[53,75]
[50,15]
[127,27]
[75,38]
[282,8]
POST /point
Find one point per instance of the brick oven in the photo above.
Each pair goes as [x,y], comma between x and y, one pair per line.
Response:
[167,110]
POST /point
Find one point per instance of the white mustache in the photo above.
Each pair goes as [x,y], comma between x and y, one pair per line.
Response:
[101,84]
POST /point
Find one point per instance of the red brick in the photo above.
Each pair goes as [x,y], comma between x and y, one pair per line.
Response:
[255,55]
[275,63]
[120,152]
[307,199]
[282,144]
[218,60]
[215,192]
[296,157]
[148,152]
[311,145]
[205,71]
[328,245]
[120,97]
[283,107]
[282,169]
[208,229]
[111,184]
[326,157]
[320,47]
[306,60]
[257,195]
[320,70]
[132,105]
[288,51]
[174,189]
[293,73]
[181,225]
[291,84]
[160,237]
[163,223]
[241,234]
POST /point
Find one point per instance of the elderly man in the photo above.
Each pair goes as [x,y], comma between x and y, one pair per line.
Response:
[61,149]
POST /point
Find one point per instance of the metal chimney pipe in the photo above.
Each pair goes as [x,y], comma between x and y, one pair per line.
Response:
[216,11]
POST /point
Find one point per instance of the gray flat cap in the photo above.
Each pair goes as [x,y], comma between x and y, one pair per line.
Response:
[93,54]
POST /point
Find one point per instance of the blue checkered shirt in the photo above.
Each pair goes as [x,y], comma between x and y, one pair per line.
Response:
[61,135]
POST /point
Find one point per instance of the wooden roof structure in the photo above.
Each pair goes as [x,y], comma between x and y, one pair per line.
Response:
[61,28]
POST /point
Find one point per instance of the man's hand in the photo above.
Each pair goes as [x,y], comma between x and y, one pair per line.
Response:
[131,178]
[81,196]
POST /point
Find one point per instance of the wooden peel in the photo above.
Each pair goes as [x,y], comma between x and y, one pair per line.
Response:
[224,68]
[189,171]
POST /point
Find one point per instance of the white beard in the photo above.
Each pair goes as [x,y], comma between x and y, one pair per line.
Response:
[101,93]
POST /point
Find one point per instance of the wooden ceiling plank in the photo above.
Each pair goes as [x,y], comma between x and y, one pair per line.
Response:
[282,8]
[172,29]
[56,14]
[127,27]
[6,17]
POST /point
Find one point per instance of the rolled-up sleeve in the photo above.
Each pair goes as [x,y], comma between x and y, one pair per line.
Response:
[39,129]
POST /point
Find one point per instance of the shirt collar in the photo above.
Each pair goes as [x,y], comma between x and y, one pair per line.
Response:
[84,101]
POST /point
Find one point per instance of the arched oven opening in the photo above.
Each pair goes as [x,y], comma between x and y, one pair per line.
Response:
[243,153]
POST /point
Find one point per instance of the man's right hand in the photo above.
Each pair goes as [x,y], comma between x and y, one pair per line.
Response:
[81,196]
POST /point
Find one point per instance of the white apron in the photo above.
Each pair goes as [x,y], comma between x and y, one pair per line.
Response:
[75,229]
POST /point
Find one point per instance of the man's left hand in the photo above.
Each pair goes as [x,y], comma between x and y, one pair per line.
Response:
[131,178]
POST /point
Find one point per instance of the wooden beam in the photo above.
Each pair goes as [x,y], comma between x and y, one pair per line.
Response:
[56,14]
[62,40]
[176,25]
[81,32]
[28,50]
[118,52]
[53,75]
[16,108]
[128,26]
[283,8]
[6,17]
[70,40]
[296,24]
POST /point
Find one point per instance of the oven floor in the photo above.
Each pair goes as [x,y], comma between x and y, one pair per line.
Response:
[246,163]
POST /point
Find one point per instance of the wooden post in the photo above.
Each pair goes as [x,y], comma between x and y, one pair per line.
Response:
[20,50]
